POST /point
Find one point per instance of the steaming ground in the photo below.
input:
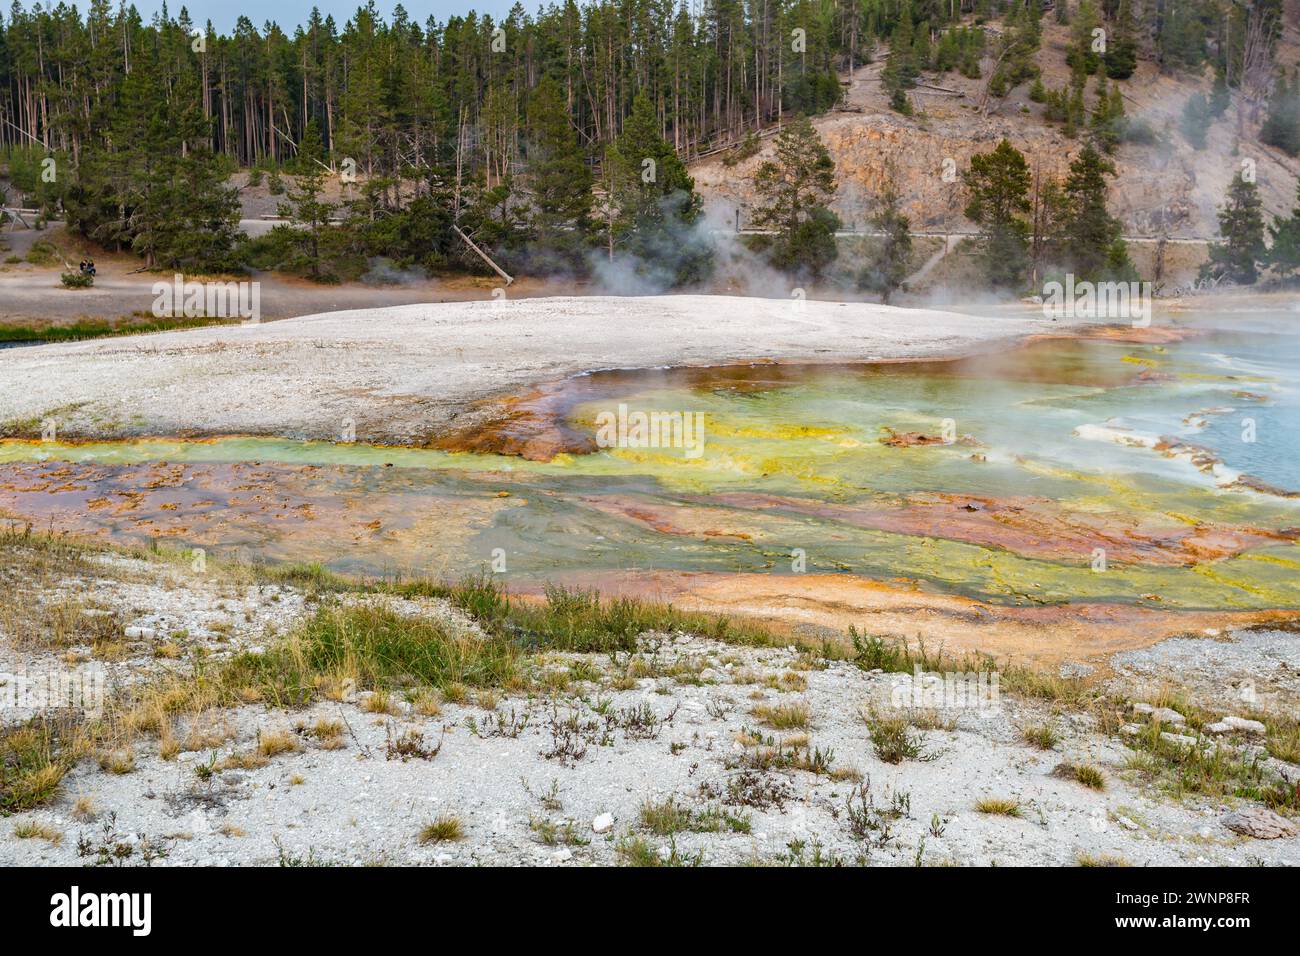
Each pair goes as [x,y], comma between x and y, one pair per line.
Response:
[403,374]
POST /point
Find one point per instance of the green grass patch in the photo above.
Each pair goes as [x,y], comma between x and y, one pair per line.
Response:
[1202,770]
[374,648]
[139,324]
[33,760]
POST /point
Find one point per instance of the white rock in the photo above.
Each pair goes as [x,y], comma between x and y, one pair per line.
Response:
[1218,727]
[1244,725]
[1260,823]
[563,856]
[1181,740]
[1142,708]
[138,632]
[603,823]
[1131,730]
[665,852]
[1167,715]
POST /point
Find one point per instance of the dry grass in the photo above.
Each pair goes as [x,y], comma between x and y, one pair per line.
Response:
[250,760]
[34,758]
[328,734]
[893,737]
[1085,774]
[442,830]
[120,760]
[1042,736]
[380,702]
[1104,859]
[426,703]
[998,806]
[32,830]
[272,743]
[793,716]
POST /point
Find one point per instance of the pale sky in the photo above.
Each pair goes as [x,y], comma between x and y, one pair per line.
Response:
[290,13]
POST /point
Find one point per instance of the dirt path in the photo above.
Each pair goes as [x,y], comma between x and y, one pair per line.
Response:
[33,296]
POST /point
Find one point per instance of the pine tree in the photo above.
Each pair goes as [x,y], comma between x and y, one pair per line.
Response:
[998,183]
[1241,225]
[795,190]
[656,204]
[1282,125]
[1021,38]
[1284,255]
[1108,121]
[1091,236]
[306,238]
[1195,121]
[560,185]
[901,70]
[891,251]
[1081,55]
[1120,58]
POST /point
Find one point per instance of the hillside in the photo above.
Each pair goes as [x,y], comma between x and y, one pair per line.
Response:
[1164,189]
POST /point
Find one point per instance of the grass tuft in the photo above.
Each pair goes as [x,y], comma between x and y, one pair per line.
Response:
[998,806]
[442,830]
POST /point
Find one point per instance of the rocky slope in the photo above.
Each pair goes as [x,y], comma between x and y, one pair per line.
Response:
[1159,190]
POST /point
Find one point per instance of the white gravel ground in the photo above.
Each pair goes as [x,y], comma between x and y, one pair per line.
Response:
[401,374]
[359,804]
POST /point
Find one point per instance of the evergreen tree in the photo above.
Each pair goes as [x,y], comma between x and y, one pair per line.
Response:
[656,204]
[1282,124]
[1081,55]
[998,183]
[1181,43]
[1220,95]
[891,251]
[1120,58]
[795,190]
[1108,121]
[1284,255]
[1091,236]
[1195,121]
[1021,38]
[305,240]
[560,185]
[902,68]
[1241,225]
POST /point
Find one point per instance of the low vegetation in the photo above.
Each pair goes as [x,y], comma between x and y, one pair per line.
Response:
[998,806]
[445,829]
[141,323]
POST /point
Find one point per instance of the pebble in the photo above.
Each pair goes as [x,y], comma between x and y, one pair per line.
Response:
[603,823]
